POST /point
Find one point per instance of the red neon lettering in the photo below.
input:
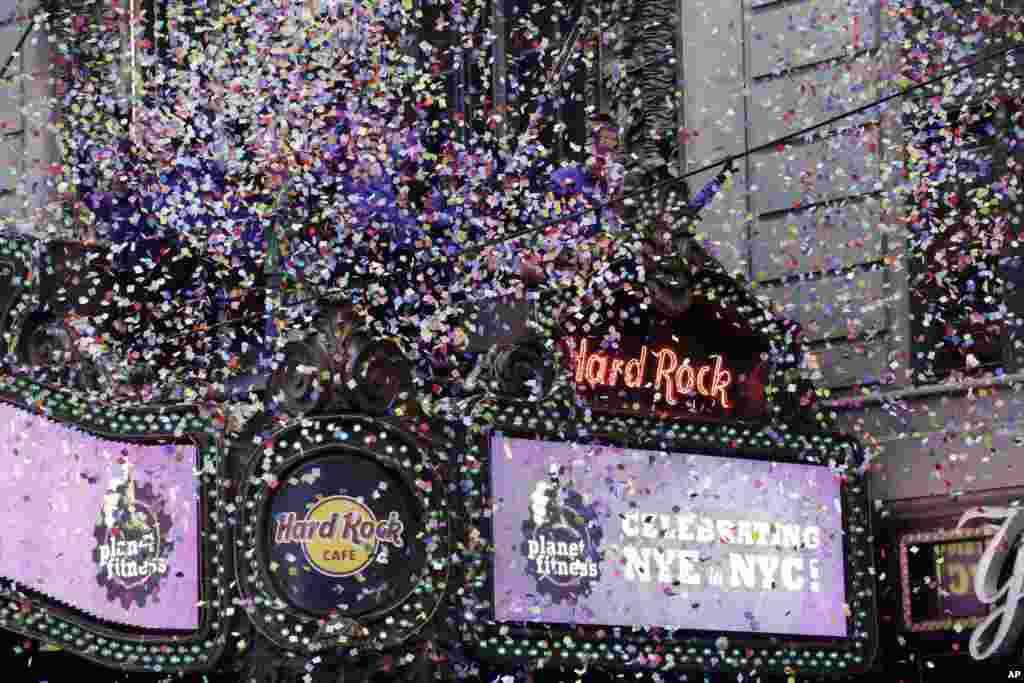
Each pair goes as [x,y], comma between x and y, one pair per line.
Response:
[581,360]
[617,364]
[671,378]
[685,369]
[667,362]
[636,369]
[722,379]
[705,369]
[597,365]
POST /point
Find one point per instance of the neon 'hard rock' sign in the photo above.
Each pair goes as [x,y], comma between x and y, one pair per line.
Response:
[673,377]
[999,630]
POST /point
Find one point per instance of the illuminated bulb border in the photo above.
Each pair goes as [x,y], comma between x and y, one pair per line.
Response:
[294,630]
[640,650]
[198,652]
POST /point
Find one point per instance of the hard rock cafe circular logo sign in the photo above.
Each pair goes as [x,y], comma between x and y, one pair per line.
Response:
[338,536]
[132,542]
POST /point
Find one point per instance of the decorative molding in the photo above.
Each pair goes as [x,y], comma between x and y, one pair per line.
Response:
[933,508]
[854,403]
[417,465]
[42,617]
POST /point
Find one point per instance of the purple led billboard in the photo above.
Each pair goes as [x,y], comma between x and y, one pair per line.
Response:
[621,536]
[106,528]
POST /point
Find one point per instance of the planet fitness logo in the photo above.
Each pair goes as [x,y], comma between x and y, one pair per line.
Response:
[340,536]
[562,539]
[132,544]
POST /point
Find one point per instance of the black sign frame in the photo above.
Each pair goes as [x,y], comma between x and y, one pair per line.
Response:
[126,648]
[294,629]
[627,649]
[316,455]
[927,541]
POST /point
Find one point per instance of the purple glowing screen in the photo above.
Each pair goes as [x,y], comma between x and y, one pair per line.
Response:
[620,536]
[109,529]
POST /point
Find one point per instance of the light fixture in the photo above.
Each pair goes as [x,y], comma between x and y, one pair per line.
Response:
[298,384]
[522,370]
[374,373]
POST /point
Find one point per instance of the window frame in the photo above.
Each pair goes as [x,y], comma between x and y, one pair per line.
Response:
[923,46]
[933,337]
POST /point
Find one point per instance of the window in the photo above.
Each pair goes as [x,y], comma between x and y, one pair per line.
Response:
[960,232]
[961,176]
[536,33]
[20,105]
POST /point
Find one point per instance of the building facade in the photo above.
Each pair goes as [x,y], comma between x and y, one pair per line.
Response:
[889,235]
[844,229]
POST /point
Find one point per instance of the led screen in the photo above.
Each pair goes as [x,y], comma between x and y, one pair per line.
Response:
[107,528]
[620,536]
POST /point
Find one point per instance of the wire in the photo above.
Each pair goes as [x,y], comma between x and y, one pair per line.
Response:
[21,42]
[725,160]
[672,181]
